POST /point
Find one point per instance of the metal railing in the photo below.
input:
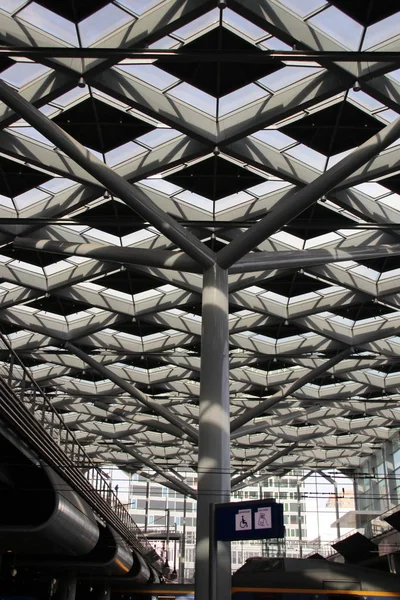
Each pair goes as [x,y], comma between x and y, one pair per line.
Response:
[28,409]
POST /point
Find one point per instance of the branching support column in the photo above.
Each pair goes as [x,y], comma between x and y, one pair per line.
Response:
[214,435]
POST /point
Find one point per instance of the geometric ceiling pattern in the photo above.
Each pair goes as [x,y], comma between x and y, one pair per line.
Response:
[216,144]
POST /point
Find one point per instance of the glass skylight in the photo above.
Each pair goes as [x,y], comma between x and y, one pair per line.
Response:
[104,21]
[338,26]
[49,21]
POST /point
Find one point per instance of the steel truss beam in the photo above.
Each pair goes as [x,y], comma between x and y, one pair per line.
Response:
[258,410]
[121,255]
[268,461]
[184,489]
[294,204]
[294,259]
[158,409]
[137,168]
[223,56]
[111,180]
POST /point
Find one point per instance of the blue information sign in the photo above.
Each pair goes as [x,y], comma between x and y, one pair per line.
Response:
[253,520]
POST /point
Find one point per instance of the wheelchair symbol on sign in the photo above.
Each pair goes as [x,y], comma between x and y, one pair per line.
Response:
[262,521]
[243,523]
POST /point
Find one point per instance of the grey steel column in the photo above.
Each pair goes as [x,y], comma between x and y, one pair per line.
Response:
[214,430]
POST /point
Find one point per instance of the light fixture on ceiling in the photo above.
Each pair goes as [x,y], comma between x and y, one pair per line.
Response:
[81,82]
[356,86]
[106,194]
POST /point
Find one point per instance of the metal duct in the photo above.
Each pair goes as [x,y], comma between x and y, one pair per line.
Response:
[40,513]
[110,557]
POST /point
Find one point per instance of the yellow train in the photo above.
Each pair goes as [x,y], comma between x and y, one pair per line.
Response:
[284,579]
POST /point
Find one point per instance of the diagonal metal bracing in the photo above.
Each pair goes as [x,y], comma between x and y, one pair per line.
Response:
[256,411]
[273,17]
[308,258]
[277,18]
[160,479]
[152,25]
[294,204]
[185,489]
[41,90]
[135,169]
[170,110]
[261,155]
[155,258]
[265,463]
[117,185]
[202,127]
[280,105]
[258,332]
[187,429]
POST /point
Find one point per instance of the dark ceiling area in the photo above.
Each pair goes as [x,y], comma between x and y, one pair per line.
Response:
[16,178]
[73,10]
[215,178]
[367,12]
[218,79]
[99,126]
[335,129]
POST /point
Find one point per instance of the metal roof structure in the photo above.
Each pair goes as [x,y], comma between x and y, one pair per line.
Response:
[230,129]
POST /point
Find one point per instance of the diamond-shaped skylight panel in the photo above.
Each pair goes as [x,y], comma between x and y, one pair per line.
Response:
[73,10]
[58,306]
[113,217]
[15,178]
[224,78]
[367,12]
[357,312]
[214,178]
[291,285]
[335,129]
[129,282]
[280,330]
[40,259]
[99,126]
[315,221]
[140,328]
